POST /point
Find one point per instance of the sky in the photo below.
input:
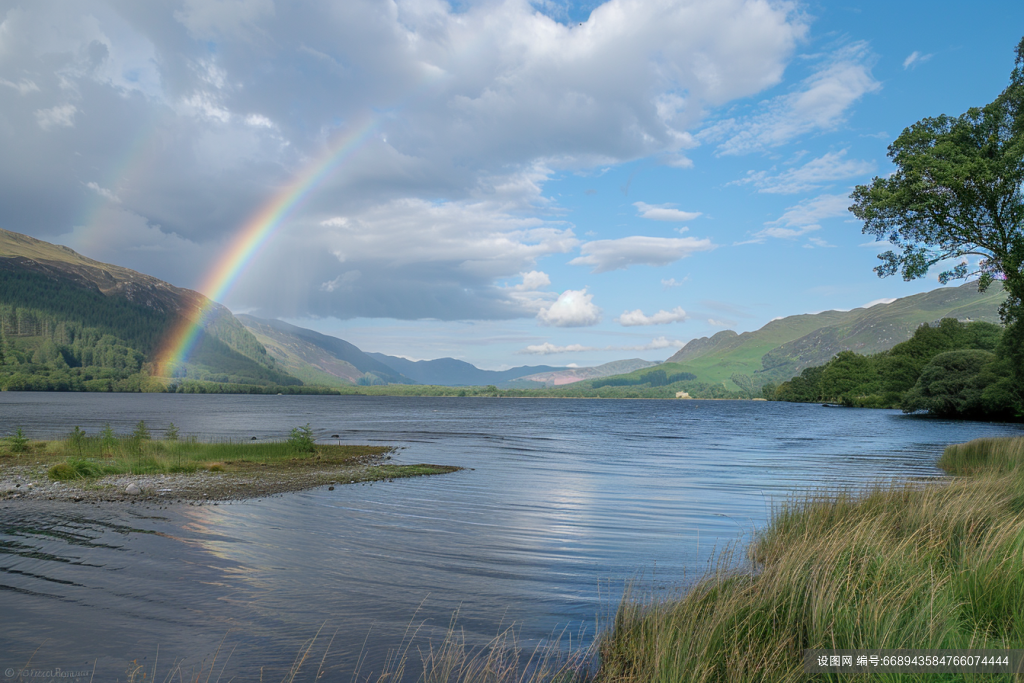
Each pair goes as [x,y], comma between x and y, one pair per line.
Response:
[504,182]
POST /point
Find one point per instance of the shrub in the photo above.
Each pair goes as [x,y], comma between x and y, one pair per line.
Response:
[76,440]
[107,438]
[19,444]
[141,431]
[301,439]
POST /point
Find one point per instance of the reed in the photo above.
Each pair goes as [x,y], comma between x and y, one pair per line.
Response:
[80,455]
[896,566]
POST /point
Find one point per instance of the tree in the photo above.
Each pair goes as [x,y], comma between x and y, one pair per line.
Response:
[950,385]
[956,194]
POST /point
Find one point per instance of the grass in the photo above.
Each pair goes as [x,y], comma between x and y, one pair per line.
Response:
[82,456]
[899,566]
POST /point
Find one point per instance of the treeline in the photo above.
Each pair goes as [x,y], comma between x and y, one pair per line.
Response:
[953,369]
[35,305]
[198,387]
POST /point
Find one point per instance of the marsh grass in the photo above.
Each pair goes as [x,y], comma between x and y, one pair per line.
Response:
[899,566]
[83,456]
[451,659]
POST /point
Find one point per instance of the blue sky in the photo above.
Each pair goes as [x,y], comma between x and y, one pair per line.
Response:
[546,183]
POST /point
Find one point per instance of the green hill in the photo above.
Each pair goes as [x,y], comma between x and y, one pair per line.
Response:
[784,347]
[69,322]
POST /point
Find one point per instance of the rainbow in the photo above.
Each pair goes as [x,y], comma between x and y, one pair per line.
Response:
[179,344]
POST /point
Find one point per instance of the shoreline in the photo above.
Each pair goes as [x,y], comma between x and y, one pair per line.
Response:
[32,483]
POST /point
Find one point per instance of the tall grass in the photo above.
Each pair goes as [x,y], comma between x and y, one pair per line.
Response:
[898,566]
[135,453]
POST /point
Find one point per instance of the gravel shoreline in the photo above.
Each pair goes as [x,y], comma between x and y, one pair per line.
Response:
[30,482]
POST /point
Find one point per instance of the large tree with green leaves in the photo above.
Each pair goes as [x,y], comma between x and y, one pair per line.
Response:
[956,195]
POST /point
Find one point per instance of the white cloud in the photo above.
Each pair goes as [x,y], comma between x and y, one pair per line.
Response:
[813,174]
[471,109]
[637,317]
[672,282]
[607,255]
[259,121]
[62,115]
[572,309]
[821,103]
[878,302]
[547,348]
[717,323]
[24,86]
[658,343]
[103,192]
[803,218]
[818,242]
[664,212]
[533,280]
[915,58]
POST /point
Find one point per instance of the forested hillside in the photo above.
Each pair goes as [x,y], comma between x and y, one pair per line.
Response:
[69,323]
[951,369]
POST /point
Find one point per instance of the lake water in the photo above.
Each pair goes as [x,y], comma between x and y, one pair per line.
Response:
[566,500]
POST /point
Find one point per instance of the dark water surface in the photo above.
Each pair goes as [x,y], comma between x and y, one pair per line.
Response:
[567,499]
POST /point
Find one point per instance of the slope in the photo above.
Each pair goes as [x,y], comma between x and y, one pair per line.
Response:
[783,347]
[448,372]
[63,293]
[319,358]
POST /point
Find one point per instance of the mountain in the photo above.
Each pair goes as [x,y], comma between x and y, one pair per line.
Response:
[67,321]
[449,372]
[784,347]
[556,378]
[318,358]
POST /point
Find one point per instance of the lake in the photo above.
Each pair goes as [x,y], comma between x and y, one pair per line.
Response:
[565,501]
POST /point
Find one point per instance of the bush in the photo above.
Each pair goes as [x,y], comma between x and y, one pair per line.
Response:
[19,444]
[301,439]
[76,440]
[949,385]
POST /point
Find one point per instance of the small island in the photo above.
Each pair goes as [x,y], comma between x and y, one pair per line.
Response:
[135,467]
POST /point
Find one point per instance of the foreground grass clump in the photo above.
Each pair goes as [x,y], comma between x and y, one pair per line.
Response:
[902,566]
[81,456]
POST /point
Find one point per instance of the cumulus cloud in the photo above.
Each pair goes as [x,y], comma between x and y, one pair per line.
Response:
[437,189]
[664,212]
[532,281]
[821,103]
[662,317]
[572,309]
[607,255]
[815,173]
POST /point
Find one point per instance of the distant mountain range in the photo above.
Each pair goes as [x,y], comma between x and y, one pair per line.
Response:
[319,358]
[563,376]
[455,373]
[69,322]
